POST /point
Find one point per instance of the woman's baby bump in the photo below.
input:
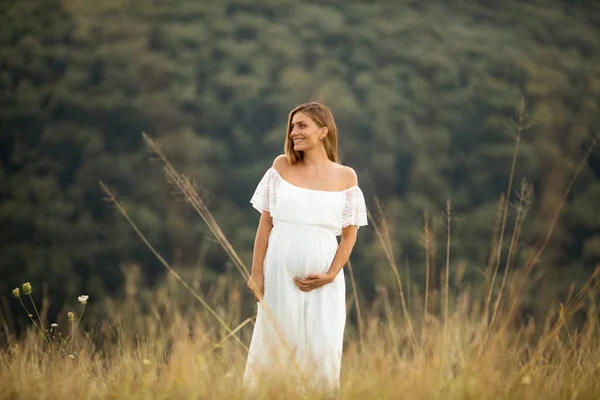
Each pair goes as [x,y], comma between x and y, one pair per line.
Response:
[304,249]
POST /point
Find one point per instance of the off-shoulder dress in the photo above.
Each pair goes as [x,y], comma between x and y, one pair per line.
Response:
[295,331]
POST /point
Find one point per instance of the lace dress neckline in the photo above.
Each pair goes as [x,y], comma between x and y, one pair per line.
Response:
[312,190]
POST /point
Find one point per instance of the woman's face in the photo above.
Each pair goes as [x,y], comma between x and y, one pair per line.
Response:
[305,133]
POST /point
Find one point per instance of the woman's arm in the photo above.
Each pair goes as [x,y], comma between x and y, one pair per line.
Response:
[261,241]
[344,250]
[313,281]
[256,280]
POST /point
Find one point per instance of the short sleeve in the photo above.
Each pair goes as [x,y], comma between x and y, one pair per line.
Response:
[264,196]
[355,210]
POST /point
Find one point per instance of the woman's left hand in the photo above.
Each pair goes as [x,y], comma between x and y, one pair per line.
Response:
[313,281]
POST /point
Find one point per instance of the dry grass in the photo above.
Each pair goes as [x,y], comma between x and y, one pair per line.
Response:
[154,345]
[168,352]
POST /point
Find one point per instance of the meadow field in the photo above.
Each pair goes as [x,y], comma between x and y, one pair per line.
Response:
[185,340]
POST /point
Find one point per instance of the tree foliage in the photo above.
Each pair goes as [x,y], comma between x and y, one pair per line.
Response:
[422,93]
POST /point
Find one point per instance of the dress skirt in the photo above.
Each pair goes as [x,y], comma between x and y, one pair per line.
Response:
[298,334]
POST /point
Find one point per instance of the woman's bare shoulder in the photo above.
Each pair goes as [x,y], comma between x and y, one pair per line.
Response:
[281,163]
[349,176]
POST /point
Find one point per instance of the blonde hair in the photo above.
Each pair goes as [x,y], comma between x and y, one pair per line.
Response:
[323,118]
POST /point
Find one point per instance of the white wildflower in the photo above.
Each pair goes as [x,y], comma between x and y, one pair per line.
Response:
[54,325]
[83,298]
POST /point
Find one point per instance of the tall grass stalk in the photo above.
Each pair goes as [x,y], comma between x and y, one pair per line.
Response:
[381,229]
[520,125]
[113,198]
[359,321]
[186,187]
[447,280]
[525,199]
[520,282]
[40,327]
[426,242]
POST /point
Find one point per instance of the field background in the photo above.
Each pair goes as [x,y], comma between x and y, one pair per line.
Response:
[469,115]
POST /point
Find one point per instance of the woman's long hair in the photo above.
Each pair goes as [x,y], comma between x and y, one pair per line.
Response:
[323,118]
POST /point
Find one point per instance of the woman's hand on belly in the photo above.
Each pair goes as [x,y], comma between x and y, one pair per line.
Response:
[313,281]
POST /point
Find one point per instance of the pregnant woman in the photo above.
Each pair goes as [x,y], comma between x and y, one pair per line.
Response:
[306,200]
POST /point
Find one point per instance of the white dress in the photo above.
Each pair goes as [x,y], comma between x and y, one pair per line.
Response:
[301,333]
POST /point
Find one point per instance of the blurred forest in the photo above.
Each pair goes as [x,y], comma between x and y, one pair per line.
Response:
[423,94]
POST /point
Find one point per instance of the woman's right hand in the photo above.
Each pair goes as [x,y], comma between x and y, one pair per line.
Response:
[256,284]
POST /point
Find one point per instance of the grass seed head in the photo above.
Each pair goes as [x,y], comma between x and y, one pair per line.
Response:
[27,288]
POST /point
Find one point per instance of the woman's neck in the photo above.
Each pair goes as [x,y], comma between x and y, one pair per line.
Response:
[315,158]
